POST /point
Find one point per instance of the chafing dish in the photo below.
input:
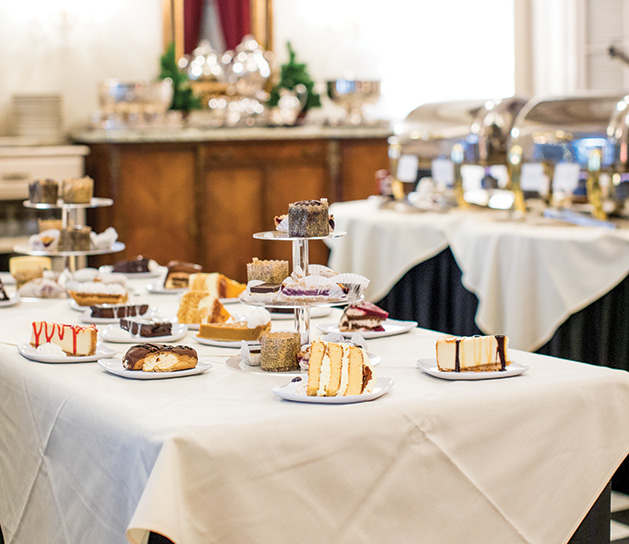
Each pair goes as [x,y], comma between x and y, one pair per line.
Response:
[574,129]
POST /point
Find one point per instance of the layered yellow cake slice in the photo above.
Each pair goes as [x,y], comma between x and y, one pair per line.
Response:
[338,369]
[472,353]
[217,285]
[201,307]
[75,340]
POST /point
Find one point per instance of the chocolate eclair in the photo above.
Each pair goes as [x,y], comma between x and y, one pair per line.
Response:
[159,358]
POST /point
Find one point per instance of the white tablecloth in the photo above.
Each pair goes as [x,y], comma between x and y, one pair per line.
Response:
[86,456]
[529,278]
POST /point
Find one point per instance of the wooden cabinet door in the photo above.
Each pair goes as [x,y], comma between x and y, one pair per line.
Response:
[360,159]
[232,210]
[154,203]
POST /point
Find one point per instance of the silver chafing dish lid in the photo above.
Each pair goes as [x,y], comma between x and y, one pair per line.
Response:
[481,126]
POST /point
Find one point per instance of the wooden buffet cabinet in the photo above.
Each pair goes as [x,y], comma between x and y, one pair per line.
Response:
[201,200]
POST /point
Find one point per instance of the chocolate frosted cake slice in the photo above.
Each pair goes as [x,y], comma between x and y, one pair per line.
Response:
[159,358]
[309,218]
[136,265]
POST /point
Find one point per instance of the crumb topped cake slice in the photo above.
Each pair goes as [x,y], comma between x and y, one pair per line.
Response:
[472,353]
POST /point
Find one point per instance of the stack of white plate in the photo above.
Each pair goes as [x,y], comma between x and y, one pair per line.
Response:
[39,117]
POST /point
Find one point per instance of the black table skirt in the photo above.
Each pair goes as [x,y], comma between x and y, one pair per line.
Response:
[432,294]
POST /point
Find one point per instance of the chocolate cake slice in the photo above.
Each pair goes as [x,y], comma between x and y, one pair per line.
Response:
[147,328]
[114,311]
[135,265]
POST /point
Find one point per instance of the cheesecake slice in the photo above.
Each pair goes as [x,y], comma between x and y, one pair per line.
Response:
[472,353]
[74,340]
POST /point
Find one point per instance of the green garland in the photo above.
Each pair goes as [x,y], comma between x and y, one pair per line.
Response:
[183,97]
[295,73]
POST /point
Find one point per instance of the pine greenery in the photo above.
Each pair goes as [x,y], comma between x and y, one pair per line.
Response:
[183,97]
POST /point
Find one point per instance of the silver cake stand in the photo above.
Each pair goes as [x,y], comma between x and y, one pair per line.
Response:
[300,262]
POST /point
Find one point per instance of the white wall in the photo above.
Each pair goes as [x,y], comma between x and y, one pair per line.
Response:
[422,50]
[69,46]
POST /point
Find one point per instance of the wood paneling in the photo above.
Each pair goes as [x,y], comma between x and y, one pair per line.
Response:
[360,159]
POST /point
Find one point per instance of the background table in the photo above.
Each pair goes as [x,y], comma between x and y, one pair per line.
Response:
[472,272]
[87,456]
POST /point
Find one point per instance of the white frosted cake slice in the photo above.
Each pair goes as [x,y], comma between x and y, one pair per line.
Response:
[75,340]
[472,353]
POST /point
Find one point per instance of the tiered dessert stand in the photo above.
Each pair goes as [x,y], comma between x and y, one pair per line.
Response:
[300,262]
[69,216]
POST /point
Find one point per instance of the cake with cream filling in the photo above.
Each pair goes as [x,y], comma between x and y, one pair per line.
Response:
[338,369]
[77,190]
[216,285]
[92,293]
[74,340]
[472,353]
[309,218]
[200,306]
[25,269]
[159,358]
[257,323]
[43,191]
[268,271]
[362,316]
[179,273]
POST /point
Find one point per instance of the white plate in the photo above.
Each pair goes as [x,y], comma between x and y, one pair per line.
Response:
[223,344]
[28,351]
[295,391]
[429,366]
[234,364]
[13,300]
[87,318]
[314,313]
[109,269]
[114,366]
[159,289]
[113,333]
[391,328]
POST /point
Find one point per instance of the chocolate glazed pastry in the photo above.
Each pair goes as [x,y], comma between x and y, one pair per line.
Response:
[148,356]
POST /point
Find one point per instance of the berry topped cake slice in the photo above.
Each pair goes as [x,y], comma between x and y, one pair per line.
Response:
[363,316]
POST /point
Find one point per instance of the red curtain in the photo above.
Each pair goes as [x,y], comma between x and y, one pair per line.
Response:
[192,17]
[235,20]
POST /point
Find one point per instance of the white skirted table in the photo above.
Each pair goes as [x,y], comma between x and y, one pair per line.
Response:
[528,276]
[87,456]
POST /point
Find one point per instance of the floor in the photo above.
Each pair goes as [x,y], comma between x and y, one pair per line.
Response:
[620,518]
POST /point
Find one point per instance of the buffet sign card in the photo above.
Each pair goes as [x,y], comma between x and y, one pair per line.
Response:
[566,178]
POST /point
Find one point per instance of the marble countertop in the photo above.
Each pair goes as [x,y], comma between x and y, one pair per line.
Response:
[190,134]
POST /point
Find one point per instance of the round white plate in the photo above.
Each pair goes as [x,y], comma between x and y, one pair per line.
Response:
[13,300]
[234,364]
[391,328]
[109,269]
[28,351]
[314,313]
[113,333]
[7,278]
[114,366]
[296,392]
[159,289]
[222,344]
[87,318]
[429,366]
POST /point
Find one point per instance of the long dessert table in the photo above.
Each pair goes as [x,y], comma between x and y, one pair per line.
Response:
[529,276]
[88,456]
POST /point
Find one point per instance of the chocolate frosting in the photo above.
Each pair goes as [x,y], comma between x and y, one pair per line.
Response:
[136,353]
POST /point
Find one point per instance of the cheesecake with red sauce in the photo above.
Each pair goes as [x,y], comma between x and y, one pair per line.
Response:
[74,340]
